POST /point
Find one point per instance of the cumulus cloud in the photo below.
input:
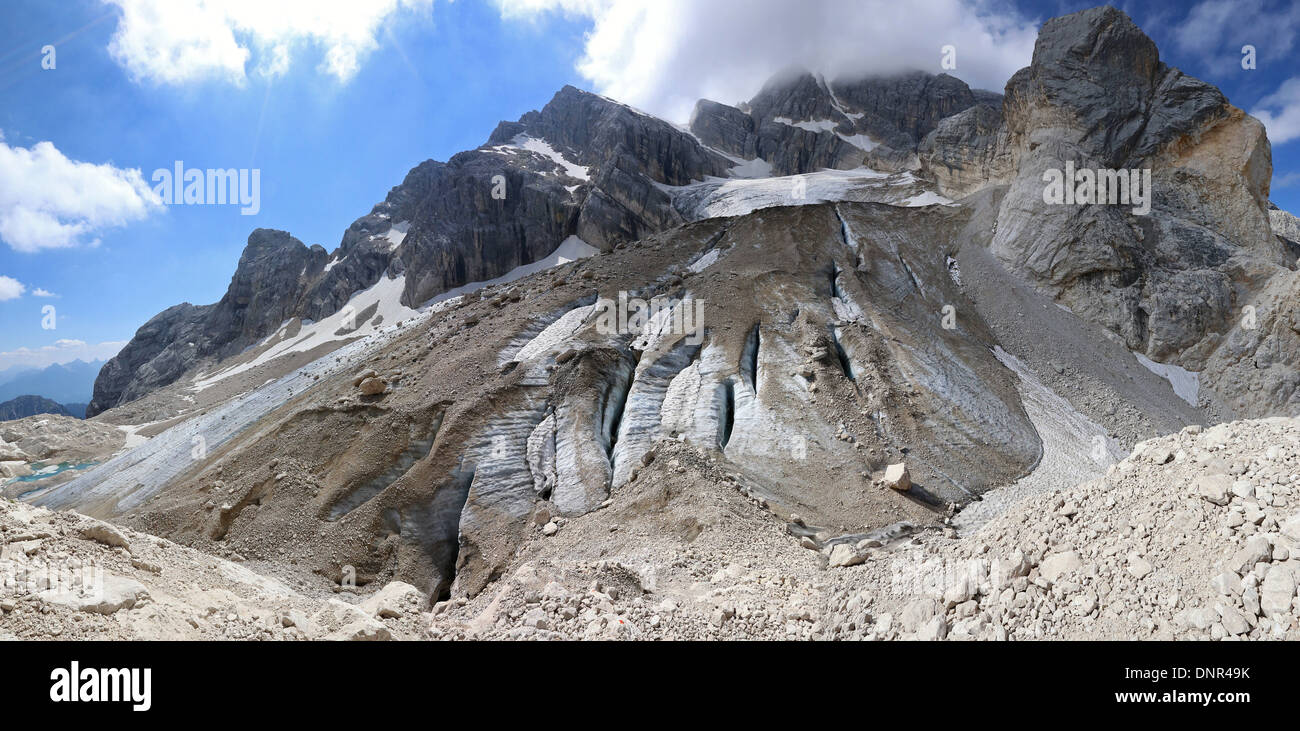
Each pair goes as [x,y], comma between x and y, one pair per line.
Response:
[178,41]
[10,288]
[1280,112]
[61,351]
[48,201]
[39,292]
[663,55]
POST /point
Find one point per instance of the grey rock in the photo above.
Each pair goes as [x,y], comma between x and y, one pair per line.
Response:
[114,594]
[339,621]
[1232,621]
[24,406]
[1257,549]
[1214,488]
[396,599]
[458,233]
[967,151]
[844,554]
[373,386]
[1097,96]
[894,111]
[917,613]
[1059,564]
[104,533]
[935,628]
[1276,592]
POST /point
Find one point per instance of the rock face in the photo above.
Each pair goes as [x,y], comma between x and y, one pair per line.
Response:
[1286,228]
[25,406]
[1171,282]
[269,287]
[584,165]
[901,110]
[1160,281]
[799,122]
[967,151]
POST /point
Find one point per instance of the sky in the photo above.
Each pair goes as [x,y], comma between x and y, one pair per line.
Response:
[331,103]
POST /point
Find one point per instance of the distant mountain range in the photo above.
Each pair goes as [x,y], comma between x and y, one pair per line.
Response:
[66,383]
[24,406]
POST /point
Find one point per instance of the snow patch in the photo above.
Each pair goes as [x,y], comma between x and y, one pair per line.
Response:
[1186,384]
[571,249]
[756,168]
[835,101]
[928,198]
[385,296]
[738,196]
[1075,449]
[709,258]
[396,234]
[860,141]
[542,147]
[816,125]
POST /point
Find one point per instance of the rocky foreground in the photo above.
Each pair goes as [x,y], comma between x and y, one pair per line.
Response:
[66,576]
[1196,535]
[1191,537]
[27,444]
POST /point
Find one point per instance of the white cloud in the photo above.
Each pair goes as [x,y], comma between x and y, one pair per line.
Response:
[1288,180]
[178,41]
[1280,112]
[1216,30]
[62,351]
[10,288]
[48,201]
[39,292]
[663,55]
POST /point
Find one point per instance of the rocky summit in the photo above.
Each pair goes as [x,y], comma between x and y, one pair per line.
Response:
[831,363]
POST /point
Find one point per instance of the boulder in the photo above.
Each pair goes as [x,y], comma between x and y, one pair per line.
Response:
[1214,488]
[373,386]
[113,594]
[1059,564]
[339,621]
[844,554]
[898,477]
[1276,593]
[396,599]
[1256,550]
[101,532]
[14,469]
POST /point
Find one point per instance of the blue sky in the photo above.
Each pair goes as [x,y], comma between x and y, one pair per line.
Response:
[335,115]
